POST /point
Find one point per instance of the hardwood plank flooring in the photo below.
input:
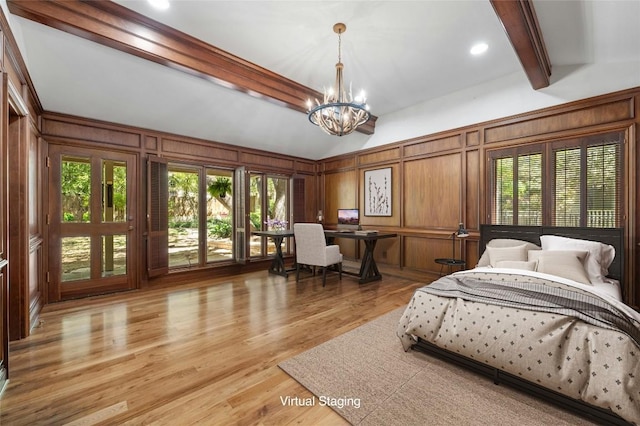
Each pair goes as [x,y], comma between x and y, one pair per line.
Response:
[200,353]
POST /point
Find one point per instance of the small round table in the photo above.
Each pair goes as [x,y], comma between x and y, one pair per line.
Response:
[450,263]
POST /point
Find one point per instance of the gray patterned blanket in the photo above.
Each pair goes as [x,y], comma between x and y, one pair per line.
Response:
[538,297]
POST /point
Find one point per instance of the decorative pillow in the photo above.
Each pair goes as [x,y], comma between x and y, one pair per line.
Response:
[597,262]
[518,264]
[501,243]
[562,263]
[497,254]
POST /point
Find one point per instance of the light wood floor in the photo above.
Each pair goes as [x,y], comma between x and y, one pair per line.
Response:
[203,353]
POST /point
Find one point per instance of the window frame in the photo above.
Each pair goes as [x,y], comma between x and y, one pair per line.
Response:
[548,149]
[157,208]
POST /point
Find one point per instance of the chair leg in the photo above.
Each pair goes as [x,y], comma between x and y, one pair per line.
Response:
[340,270]
[324,276]
[297,272]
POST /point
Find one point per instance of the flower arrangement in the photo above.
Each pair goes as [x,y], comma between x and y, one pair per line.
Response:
[276,224]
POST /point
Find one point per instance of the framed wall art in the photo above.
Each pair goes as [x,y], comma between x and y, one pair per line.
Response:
[377,192]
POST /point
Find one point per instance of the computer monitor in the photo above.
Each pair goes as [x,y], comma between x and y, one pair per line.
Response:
[348,218]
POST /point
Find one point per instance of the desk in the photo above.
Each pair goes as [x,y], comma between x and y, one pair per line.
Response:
[450,263]
[368,268]
[277,264]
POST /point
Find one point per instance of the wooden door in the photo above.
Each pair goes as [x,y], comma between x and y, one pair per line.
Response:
[92,222]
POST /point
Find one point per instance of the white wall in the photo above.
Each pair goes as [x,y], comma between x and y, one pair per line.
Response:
[500,98]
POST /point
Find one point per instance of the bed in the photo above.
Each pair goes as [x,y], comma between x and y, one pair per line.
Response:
[550,323]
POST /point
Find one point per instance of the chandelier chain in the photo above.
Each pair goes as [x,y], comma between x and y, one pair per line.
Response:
[340,46]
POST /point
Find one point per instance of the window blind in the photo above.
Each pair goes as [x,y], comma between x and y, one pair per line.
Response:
[567,187]
[584,185]
[503,199]
[530,189]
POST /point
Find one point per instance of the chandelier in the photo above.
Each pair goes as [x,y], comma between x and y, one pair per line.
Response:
[340,113]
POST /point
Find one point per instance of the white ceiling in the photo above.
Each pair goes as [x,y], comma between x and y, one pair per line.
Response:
[403,53]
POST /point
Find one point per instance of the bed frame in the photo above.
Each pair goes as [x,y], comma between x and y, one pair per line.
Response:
[612,236]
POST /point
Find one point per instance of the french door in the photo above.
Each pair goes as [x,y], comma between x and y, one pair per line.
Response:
[92,222]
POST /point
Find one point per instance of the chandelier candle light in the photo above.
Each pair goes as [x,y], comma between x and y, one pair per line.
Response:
[340,113]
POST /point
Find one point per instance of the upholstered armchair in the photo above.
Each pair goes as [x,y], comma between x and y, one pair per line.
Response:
[312,250]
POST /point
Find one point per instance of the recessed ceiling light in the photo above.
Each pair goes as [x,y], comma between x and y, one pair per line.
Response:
[159,4]
[479,48]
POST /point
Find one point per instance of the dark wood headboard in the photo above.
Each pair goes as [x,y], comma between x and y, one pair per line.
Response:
[612,236]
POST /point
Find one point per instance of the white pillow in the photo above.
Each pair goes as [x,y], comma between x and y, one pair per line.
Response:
[597,262]
[497,254]
[518,264]
[562,263]
[504,242]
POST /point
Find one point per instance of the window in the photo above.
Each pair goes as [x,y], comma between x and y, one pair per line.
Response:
[184,214]
[588,182]
[190,216]
[583,188]
[567,187]
[196,214]
[269,201]
[219,215]
[517,195]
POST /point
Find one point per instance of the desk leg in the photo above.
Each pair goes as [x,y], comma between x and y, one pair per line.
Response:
[368,268]
[277,264]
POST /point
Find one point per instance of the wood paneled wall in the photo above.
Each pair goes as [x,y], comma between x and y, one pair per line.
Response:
[344,184]
[93,133]
[432,191]
[76,131]
[440,180]
[26,254]
[21,237]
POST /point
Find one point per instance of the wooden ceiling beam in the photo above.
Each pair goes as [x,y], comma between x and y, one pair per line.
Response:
[113,25]
[521,25]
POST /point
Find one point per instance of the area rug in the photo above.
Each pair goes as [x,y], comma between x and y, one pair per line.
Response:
[366,377]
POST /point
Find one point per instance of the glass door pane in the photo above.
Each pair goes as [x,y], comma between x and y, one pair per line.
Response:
[114,255]
[114,191]
[114,209]
[75,197]
[76,258]
[75,189]
[255,214]
[184,247]
[219,215]
[277,209]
